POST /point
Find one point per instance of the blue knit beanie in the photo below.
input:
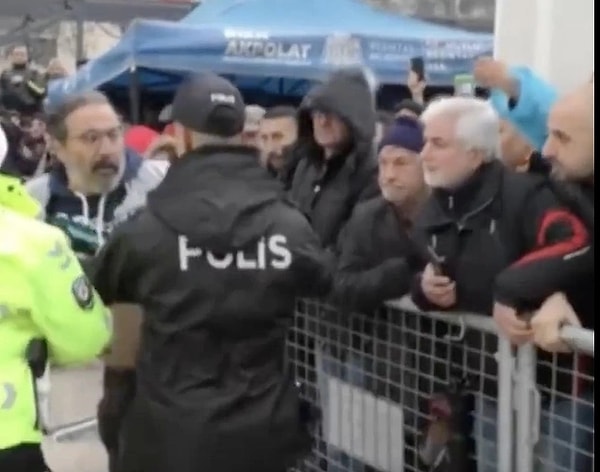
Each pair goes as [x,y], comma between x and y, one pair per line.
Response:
[405,132]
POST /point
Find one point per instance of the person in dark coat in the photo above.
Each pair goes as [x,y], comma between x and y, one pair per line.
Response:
[336,128]
[22,88]
[503,241]
[378,256]
[336,170]
[570,150]
[377,261]
[216,260]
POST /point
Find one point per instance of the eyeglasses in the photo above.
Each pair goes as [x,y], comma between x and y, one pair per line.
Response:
[93,137]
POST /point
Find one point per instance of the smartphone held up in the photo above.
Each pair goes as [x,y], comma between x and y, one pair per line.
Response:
[417,66]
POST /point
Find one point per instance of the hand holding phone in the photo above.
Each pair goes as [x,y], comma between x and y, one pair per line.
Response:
[439,289]
[436,261]
[417,65]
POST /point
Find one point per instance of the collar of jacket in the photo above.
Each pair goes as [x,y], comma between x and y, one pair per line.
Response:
[456,206]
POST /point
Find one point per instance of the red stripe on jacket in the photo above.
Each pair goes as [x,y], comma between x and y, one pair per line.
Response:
[578,239]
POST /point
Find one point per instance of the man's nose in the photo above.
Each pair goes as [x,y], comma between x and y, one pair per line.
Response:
[387,174]
[425,153]
[548,148]
[107,143]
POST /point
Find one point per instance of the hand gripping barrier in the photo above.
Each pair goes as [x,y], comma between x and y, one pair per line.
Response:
[372,377]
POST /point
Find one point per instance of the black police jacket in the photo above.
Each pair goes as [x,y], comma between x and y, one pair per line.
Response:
[216,261]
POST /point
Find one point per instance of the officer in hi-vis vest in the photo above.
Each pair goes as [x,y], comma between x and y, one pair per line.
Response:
[49,313]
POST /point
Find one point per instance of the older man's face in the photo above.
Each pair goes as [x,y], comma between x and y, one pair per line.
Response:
[446,161]
[400,174]
[329,130]
[93,151]
[570,143]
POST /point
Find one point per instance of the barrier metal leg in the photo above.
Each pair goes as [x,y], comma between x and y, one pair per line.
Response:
[506,365]
[527,405]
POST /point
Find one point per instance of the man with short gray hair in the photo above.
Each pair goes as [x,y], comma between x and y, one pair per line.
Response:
[503,242]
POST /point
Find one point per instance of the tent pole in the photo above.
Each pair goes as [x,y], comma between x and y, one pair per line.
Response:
[80,44]
[134,95]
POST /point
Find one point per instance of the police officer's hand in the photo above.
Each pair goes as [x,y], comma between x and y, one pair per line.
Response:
[119,390]
[547,322]
[510,325]
[438,289]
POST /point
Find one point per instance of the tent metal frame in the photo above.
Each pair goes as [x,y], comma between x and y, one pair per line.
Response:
[39,15]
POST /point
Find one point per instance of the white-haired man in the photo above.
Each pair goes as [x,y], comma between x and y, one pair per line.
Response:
[504,240]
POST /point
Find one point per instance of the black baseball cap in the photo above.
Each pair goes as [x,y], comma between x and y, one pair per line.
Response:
[207,103]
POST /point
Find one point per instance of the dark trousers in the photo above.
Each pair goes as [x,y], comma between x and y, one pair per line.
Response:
[113,457]
[23,458]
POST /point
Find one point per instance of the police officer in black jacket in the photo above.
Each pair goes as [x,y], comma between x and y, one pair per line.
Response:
[216,261]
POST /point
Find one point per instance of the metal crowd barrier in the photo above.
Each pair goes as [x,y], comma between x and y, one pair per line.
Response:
[372,376]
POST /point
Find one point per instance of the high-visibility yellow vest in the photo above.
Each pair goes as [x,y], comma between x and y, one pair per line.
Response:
[43,294]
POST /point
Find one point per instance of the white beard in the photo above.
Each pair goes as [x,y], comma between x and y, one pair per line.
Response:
[433,179]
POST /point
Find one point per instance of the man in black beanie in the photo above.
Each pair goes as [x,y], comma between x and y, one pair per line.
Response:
[378,259]
[216,261]
[377,262]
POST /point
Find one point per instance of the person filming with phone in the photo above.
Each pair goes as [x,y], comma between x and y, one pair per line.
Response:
[500,242]
[481,218]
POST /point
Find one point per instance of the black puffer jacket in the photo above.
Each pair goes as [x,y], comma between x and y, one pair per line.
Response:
[327,190]
[216,261]
[505,237]
[378,257]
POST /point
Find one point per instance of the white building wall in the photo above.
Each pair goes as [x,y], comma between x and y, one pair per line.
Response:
[554,37]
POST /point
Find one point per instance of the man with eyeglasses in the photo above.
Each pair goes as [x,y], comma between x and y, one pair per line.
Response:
[96,184]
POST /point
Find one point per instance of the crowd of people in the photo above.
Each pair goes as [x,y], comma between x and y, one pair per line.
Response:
[201,236]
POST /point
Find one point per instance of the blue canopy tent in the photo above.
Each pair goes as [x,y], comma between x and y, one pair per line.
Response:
[283,39]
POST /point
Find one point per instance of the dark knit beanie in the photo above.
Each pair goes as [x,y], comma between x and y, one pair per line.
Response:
[405,132]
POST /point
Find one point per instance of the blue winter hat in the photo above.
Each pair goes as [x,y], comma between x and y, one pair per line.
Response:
[405,132]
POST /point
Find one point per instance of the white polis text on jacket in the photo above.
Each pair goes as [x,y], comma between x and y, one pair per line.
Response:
[271,252]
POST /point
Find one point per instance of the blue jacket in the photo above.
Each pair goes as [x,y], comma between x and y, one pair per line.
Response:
[530,113]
